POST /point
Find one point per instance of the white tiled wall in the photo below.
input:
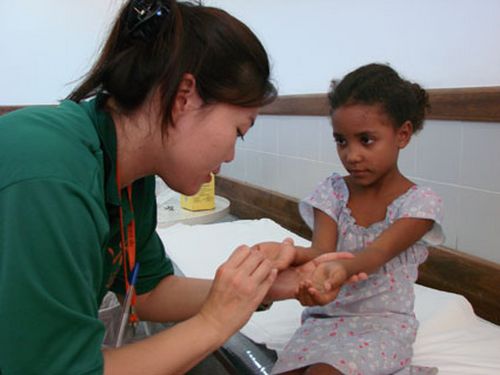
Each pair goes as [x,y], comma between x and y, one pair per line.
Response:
[459,160]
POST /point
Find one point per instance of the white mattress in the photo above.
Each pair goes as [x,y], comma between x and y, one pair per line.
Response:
[451,337]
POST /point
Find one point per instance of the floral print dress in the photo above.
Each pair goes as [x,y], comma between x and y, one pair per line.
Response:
[370,327]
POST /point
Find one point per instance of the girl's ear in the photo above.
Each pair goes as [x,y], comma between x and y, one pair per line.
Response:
[187,97]
[404,134]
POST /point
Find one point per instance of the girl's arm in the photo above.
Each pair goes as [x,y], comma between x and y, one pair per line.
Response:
[324,239]
[329,276]
[397,238]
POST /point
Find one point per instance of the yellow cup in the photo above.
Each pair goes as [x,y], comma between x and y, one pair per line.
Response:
[204,199]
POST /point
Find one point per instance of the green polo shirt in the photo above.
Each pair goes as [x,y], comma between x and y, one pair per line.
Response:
[59,237]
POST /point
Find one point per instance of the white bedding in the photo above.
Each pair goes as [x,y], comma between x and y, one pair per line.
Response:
[451,337]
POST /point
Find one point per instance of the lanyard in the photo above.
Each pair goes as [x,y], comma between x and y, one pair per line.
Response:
[128,247]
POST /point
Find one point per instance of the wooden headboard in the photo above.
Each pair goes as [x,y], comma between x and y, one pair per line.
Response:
[445,269]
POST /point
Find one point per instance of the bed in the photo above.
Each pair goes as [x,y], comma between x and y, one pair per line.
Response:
[451,336]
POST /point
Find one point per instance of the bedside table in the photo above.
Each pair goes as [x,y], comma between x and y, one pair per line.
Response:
[170,212]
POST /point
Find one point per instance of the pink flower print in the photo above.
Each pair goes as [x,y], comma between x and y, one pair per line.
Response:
[342,362]
[366,344]
[351,333]
[383,354]
[333,334]
[301,358]
[403,326]
[305,349]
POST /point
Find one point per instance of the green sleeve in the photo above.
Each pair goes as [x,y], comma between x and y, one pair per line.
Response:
[51,240]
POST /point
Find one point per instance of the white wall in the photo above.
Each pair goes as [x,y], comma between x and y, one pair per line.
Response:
[440,43]
[445,43]
[46,45]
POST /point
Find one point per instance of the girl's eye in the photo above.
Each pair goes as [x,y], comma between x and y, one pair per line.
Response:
[340,141]
[240,135]
[366,140]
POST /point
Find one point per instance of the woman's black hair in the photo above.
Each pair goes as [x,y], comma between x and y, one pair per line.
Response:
[402,100]
[153,43]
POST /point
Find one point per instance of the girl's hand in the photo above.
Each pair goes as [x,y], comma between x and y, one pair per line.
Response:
[324,285]
[281,254]
[341,255]
[322,279]
[239,286]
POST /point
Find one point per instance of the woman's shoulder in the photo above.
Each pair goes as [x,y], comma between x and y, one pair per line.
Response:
[42,124]
[49,142]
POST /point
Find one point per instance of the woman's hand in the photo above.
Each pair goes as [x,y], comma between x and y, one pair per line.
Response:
[239,286]
[281,254]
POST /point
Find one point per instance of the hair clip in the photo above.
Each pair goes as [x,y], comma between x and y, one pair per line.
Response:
[144,16]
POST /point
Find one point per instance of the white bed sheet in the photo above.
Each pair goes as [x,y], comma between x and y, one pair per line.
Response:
[451,337]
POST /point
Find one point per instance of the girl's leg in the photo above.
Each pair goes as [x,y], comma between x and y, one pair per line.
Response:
[322,369]
[299,371]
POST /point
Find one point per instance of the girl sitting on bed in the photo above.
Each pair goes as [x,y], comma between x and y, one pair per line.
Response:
[383,218]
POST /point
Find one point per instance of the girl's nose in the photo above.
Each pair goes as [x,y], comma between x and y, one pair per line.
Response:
[353,155]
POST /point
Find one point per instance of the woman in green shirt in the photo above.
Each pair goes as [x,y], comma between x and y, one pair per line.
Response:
[175,85]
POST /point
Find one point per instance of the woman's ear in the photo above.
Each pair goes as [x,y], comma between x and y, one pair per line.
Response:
[404,134]
[187,97]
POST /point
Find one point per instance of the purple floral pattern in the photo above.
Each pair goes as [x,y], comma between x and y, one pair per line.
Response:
[370,327]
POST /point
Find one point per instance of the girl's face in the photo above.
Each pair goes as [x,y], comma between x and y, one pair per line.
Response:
[368,144]
[201,139]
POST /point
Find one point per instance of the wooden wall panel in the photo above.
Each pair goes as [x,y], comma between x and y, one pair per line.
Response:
[466,104]
[478,280]
[8,108]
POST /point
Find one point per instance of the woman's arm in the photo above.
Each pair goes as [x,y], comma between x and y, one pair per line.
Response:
[174,299]
[214,312]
